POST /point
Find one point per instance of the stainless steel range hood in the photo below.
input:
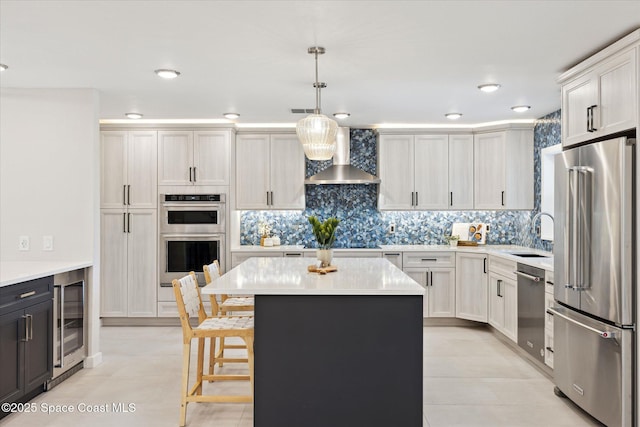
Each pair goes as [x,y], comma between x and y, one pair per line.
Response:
[341,172]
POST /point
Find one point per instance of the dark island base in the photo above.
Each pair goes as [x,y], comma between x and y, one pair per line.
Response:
[338,360]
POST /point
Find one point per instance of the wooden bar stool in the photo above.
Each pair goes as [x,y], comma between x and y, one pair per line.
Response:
[190,305]
[228,304]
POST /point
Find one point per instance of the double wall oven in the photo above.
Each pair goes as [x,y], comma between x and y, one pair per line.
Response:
[192,234]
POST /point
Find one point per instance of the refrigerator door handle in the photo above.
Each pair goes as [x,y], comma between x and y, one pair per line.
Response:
[603,334]
[577,254]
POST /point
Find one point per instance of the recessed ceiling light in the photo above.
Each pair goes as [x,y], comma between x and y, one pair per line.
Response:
[453,116]
[521,108]
[489,87]
[167,74]
[134,115]
[341,115]
[231,116]
[3,67]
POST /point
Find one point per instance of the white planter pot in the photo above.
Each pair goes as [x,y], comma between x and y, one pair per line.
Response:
[453,243]
[324,256]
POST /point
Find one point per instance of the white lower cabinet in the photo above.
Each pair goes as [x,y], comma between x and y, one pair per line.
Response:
[436,272]
[128,278]
[503,296]
[471,286]
[439,299]
[503,305]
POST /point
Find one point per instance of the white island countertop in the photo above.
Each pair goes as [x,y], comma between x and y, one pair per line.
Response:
[12,272]
[289,276]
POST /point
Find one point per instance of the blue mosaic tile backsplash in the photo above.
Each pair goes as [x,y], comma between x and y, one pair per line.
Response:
[362,225]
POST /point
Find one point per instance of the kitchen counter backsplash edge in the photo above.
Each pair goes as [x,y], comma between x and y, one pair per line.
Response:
[504,251]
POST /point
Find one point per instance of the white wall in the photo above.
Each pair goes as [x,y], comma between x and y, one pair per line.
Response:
[49,172]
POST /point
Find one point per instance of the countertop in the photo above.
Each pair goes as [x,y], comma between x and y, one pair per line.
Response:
[504,251]
[289,276]
[12,272]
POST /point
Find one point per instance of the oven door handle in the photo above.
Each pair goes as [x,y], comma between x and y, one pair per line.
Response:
[192,205]
[191,236]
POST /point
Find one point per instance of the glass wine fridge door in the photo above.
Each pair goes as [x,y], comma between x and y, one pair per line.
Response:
[69,322]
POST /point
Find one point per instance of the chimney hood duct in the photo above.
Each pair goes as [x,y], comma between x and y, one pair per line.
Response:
[341,172]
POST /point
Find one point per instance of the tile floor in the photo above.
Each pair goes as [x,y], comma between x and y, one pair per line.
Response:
[470,379]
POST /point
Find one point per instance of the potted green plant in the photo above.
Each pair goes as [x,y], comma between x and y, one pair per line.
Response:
[325,234]
[452,240]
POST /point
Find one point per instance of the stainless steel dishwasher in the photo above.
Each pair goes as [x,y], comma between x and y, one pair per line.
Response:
[531,310]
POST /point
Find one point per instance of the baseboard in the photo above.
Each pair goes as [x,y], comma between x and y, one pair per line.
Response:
[451,321]
[93,360]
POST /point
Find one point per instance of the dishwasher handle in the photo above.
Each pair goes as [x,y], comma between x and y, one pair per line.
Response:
[528,276]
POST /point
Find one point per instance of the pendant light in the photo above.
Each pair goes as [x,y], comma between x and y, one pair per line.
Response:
[317,132]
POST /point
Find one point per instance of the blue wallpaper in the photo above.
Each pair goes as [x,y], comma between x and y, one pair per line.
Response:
[362,225]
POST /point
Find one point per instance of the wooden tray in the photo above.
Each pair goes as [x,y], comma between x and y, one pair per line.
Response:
[322,270]
[467,243]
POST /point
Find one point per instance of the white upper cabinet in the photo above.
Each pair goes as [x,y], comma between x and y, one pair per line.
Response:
[460,172]
[600,99]
[414,172]
[431,171]
[270,172]
[128,169]
[193,157]
[395,160]
[503,170]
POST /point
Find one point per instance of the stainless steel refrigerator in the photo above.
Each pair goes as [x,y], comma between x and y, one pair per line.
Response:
[594,249]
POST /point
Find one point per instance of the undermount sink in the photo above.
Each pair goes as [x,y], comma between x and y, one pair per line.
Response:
[530,255]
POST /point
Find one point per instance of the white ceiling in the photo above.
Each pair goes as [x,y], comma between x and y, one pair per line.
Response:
[386,61]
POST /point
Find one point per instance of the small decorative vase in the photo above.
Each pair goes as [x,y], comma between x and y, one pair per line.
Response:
[324,256]
[268,242]
[453,243]
[276,241]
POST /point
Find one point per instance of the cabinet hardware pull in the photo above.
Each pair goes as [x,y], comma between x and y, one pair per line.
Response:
[392,254]
[26,328]
[589,119]
[124,222]
[30,332]
[190,175]
[412,199]
[549,282]
[417,203]
[124,194]
[292,254]
[549,349]
[128,195]
[267,198]
[195,177]
[592,128]
[429,259]
[503,198]
[484,265]
[128,223]
[451,198]
[271,198]
[499,288]
[431,278]
[27,294]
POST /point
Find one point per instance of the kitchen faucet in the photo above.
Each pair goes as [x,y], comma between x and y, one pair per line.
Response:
[538,215]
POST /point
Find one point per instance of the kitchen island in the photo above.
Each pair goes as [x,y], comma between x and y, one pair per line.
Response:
[341,349]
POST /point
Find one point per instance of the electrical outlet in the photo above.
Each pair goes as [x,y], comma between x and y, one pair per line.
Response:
[23,243]
[392,228]
[47,243]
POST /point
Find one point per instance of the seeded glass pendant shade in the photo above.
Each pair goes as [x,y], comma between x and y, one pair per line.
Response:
[317,132]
